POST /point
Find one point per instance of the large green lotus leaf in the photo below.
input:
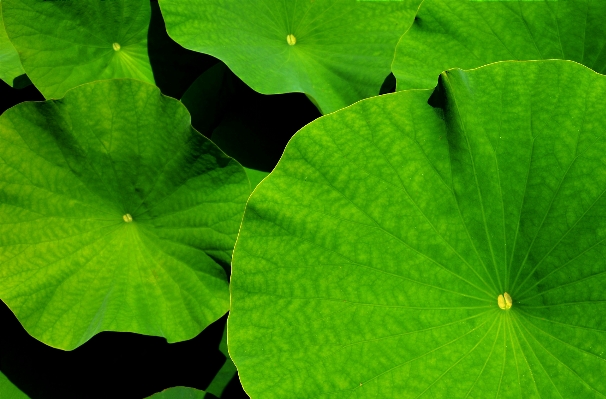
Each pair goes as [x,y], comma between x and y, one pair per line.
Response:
[335,51]
[115,214]
[10,65]
[9,391]
[467,34]
[179,393]
[370,261]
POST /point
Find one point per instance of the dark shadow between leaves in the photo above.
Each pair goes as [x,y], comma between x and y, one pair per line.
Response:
[11,96]
[174,67]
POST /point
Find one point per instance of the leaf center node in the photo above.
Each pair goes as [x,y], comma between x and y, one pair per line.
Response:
[127,218]
[505,301]
[116,46]
[291,40]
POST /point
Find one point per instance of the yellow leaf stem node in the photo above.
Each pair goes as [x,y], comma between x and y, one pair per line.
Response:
[505,301]
[116,46]
[291,40]
[127,218]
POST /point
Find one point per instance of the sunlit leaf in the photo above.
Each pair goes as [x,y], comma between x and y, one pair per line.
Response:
[335,51]
[115,214]
[10,65]
[468,34]
[433,245]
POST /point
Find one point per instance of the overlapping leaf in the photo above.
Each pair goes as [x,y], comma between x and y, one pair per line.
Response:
[114,215]
[335,51]
[468,34]
[370,261]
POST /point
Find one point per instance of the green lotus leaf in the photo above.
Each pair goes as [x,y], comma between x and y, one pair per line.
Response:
[63,44]
[468,34]
[115,215]
[335,51]
[10,65]
[8,390]
[179,393]
[419,245]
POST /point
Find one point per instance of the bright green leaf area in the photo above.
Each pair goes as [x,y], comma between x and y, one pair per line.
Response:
[10,65]
[335,51]
[370,261]
[468,34]
[8,390]
[179,393]
[115,214]
[63,44]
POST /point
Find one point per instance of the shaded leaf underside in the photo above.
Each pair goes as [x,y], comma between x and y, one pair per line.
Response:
[114,215]
[342,53]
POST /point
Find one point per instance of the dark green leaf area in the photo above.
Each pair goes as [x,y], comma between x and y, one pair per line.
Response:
[370,262]
[468,34]
[335,51]
[179,393]
[226,374]
[114,215]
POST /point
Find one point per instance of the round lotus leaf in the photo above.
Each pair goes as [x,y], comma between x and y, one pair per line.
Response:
[10,65]
[445,244]
[63,44]
[335,51]
[115,215]
[468,34]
